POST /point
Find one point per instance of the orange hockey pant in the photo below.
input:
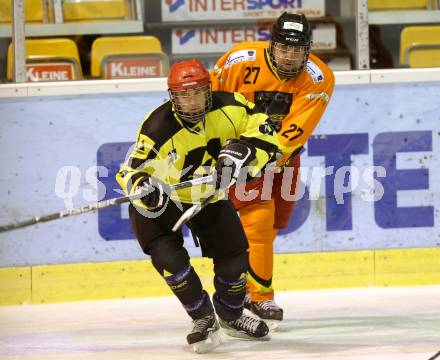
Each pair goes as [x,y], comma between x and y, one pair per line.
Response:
[261,221]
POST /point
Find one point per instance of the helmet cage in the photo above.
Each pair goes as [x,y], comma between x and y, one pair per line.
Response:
[290,37]
[179,99]
[290,55]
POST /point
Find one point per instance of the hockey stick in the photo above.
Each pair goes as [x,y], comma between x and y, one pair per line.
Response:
[103,204]
[193,211]
[435,356]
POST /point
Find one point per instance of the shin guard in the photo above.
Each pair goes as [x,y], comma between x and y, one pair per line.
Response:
[229,297]
[187,287]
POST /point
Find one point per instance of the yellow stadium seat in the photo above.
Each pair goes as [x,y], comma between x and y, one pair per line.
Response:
[128,57]
[49,60]
[397,4]
[99,10]
[420,46]
[34,10]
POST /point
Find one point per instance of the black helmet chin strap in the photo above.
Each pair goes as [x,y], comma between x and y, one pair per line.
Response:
[191,119]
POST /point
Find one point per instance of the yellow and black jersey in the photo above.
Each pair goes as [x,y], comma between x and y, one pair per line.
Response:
[297,103]
[171,151]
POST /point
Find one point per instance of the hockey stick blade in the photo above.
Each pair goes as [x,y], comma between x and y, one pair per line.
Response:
[193,211]
[101,204]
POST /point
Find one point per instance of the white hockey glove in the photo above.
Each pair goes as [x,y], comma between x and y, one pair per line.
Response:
[232,159]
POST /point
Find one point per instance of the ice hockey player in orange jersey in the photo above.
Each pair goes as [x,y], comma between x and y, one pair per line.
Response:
[293,87]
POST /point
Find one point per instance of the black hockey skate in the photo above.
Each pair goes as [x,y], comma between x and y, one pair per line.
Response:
[266,310]
[246,327]
[204,335]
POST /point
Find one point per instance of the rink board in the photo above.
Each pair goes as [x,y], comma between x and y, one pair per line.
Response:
[131,279]
[62,149]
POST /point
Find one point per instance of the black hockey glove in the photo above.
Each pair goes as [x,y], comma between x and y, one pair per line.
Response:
[231,160]
[155,195]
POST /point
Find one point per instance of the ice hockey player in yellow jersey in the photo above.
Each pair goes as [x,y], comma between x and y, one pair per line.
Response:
[195,133]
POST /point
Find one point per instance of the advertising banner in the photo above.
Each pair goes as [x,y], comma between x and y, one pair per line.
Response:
[220,39]
[130,68]
[199,10]
[370,174]
[50,72]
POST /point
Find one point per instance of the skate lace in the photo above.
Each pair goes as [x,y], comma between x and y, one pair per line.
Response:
[201,325]
[268,305]
[247,323]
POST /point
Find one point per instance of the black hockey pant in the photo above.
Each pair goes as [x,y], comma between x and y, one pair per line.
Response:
[221,237]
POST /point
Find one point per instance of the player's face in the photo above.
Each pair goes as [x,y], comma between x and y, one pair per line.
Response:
[191,105]
[191,101]
[288,57]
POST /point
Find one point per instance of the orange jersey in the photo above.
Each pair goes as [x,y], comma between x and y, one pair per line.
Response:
[297,103]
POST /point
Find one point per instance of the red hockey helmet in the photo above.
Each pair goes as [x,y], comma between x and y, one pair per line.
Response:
[187,75]
[190,90]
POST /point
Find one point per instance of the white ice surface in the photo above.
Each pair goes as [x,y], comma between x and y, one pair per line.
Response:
[347,324]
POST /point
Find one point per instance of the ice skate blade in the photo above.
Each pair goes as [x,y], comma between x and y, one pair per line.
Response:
[272,324]
[205,346]
[243,335]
